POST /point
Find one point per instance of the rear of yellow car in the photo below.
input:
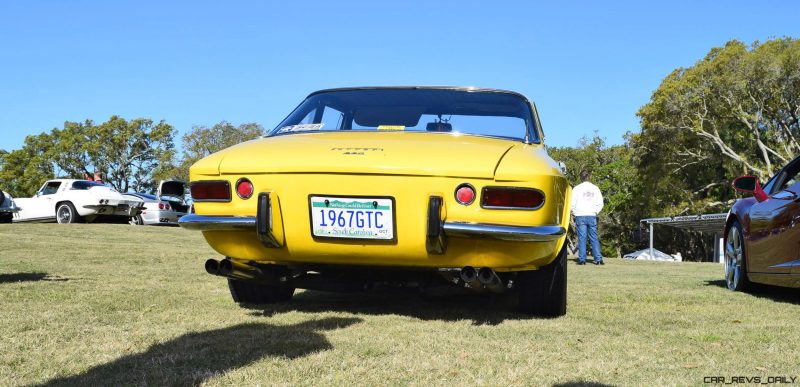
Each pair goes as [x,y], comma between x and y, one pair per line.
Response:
[321,209]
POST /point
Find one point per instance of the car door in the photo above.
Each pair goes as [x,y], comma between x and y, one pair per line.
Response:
[774,238]
[43,205]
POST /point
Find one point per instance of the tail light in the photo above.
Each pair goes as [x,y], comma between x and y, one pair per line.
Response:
[465,194]
[244,188]
[166,206]
[160,206]
[211,191]
[512,198]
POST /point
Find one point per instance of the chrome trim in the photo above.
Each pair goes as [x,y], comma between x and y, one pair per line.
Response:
[504,232]
[217,223]
[483,196]
[795,263]
[454,229]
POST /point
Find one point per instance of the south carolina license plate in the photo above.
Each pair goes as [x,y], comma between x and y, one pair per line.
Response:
[353,218]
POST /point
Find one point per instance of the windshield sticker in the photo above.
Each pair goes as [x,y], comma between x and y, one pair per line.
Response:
[391,127]
[301,128]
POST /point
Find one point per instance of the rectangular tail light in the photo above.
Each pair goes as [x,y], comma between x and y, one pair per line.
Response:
[511,198]
[210,191]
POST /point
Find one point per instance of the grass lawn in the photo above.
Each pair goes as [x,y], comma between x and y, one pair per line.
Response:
[121,305]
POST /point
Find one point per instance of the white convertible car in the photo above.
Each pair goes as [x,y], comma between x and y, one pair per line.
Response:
[72,201]
[7,207]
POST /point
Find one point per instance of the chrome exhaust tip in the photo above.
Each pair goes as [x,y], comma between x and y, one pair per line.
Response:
[468,274]
[212,266]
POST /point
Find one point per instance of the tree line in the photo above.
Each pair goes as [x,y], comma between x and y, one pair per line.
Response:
[734,112]
[132,155]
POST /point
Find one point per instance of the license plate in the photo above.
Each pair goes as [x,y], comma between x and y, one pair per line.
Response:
[352,218]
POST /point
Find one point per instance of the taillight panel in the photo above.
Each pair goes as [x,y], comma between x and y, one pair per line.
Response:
[511,198]
[211,191]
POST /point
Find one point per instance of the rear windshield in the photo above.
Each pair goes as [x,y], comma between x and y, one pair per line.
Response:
[85,184]
[482,113]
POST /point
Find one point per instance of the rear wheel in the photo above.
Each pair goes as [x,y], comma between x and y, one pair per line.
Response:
[6,217]
[136,220]
[543,292]
[255,293]
[735,262]
[66,214]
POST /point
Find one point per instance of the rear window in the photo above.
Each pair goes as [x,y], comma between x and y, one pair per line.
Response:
[456,111]
[85,184]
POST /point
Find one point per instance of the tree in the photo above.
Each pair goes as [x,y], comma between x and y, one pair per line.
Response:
[24,170]
[203,141]
[734,112]
[130,153]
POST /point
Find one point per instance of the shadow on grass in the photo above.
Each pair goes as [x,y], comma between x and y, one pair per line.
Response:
[774,293]
[196,357]
[581,383]
[445,305]
[28,277]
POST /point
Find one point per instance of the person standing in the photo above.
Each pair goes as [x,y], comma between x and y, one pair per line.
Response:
[587,202]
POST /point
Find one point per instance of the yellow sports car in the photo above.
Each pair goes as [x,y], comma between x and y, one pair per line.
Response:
[399,186]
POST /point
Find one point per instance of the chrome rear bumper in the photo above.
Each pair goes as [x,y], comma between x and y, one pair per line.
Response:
[453,229]
[217,223]
[504,232]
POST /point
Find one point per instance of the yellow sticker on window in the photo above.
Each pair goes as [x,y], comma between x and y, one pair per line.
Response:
[391,127]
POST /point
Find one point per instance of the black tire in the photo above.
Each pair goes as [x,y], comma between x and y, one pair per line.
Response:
[255,293]
[543,292]
[136,220]
[66,213]
[6,217]
[736,278]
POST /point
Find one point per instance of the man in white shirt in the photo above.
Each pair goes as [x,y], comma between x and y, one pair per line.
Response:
[587,202]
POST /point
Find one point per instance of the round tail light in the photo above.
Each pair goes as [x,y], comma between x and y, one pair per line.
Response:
[160,206]
[244,188]
[465,194]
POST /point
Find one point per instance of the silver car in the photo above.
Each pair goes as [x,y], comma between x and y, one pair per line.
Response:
[165,207]
[156,212]
[7,207]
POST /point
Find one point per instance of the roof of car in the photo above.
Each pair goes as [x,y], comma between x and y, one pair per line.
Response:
[456,88]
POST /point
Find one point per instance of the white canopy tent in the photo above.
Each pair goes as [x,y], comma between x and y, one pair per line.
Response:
[708,223]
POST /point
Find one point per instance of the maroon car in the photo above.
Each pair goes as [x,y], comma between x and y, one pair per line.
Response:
[762,233]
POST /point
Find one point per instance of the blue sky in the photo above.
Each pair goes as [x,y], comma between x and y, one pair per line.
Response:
[588,66]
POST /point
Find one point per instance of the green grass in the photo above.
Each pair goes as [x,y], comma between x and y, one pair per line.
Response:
[120,305]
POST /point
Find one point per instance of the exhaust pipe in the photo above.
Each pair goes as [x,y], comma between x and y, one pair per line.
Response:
[490,280]
[282,277]
[236,270]
[212,267]
[470,276]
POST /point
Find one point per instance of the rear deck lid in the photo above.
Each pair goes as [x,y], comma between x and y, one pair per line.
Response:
[396,153]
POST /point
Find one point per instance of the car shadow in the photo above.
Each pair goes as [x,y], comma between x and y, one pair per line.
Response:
[774,293]
[195,357]
[28,277]
[444,304]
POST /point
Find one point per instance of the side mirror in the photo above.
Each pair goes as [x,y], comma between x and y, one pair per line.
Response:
[750,184]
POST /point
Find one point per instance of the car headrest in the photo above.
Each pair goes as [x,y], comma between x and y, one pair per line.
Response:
[439,127]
